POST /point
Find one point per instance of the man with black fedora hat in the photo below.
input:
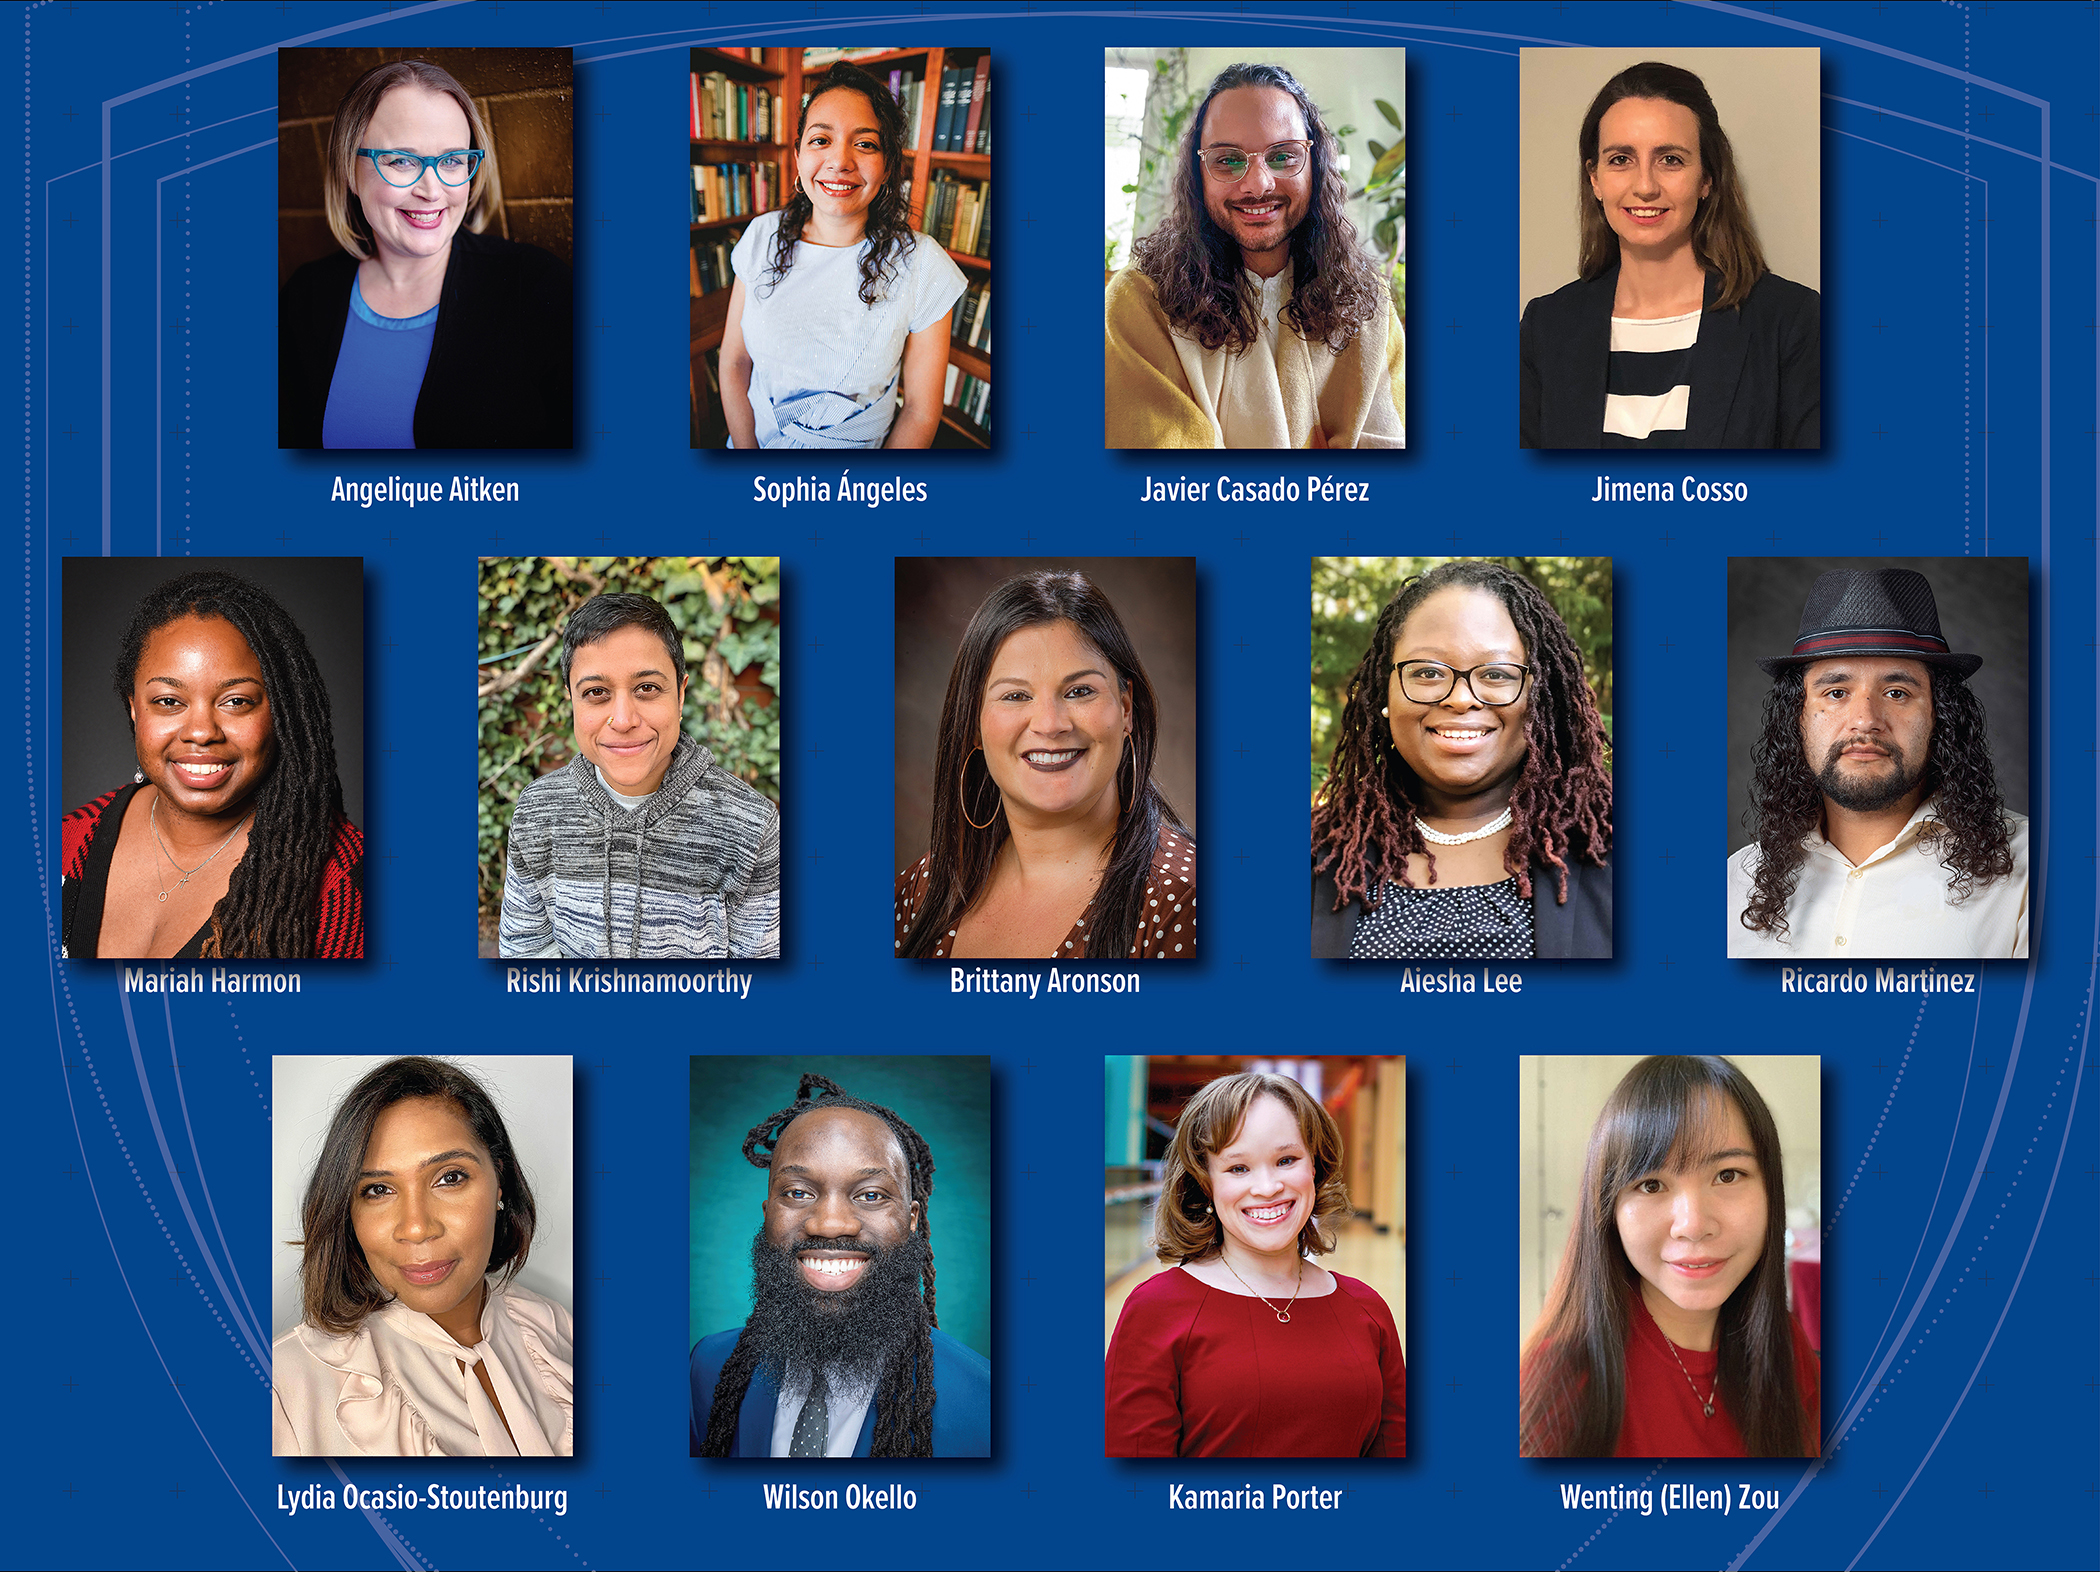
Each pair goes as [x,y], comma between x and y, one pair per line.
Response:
[1880,832]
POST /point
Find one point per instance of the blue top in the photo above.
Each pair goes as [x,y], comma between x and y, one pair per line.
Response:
[962,1400]
[378,376]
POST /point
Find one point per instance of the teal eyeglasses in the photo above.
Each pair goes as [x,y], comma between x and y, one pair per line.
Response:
[398,167]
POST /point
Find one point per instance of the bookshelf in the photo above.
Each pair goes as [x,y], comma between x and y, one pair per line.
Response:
[943,174]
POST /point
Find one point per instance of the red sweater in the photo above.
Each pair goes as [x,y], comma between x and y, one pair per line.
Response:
[1193,1372]
[87,842]
[1664,1417]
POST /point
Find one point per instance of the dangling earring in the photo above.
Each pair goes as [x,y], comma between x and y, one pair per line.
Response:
[138,777]
[962,781]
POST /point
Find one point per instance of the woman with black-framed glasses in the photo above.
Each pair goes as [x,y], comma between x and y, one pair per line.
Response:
[422,332]
[1466,813]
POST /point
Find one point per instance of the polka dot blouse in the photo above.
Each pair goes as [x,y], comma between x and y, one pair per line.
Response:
[1472,922]
[1166,931]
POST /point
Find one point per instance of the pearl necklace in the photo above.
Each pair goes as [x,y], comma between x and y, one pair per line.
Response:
[1494,826]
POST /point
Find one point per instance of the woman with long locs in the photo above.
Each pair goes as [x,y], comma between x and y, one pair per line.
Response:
[231,839]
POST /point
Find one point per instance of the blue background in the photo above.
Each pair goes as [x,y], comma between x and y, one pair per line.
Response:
[1959,164]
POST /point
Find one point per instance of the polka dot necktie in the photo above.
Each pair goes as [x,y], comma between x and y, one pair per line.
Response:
[813,1430]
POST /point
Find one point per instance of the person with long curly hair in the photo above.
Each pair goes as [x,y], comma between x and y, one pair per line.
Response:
[1254,316]
[843,1355]
[1467,809]
[1879,831]
[231,841]
[1248,1347]
[1667,1331]
[1675,333]
[837,333]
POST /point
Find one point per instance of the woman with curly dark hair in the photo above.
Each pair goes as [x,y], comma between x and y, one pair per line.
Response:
[1467,810]
[1253,316]
[837,334]
[1249,1347]
[231,839]
[1878,829]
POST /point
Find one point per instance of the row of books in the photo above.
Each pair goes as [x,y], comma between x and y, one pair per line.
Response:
[721,110]
[825,55]
[733,190]
[970,397]
[959,213]
[756,56]
[710,261]
[910,93]
[964,124]
[971,321]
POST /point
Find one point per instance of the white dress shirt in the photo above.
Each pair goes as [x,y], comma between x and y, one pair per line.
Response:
[844,1414]
[1895,905]
[399,1386]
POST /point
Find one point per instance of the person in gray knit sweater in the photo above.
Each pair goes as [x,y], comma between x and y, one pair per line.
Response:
[641,847]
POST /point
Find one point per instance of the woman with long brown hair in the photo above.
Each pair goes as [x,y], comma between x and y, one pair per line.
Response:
[1050,837]
[837,333]
[1667,1332]
[1675,333]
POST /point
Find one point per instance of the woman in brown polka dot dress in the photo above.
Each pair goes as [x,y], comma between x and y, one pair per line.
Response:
[1050,837]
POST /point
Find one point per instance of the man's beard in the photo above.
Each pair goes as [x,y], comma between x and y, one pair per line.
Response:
[853,1333]
[1875,793]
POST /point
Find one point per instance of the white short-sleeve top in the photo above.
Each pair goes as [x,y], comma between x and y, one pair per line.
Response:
[825,365]
[399,1386]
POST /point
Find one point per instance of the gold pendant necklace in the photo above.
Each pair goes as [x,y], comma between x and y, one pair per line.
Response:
[1283,1316]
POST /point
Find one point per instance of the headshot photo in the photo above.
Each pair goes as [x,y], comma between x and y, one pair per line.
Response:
[423,1214]
[1046,758]
[425,234]
[1238,1191]
[214,740]
[1256,261]
[1461,758]
[630,758]
[819,1334]
[841,247]
[1877,758]
[1694,241]
[1671,1257]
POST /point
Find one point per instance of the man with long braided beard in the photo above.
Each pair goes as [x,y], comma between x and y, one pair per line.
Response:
[841,1356]
[1880,831]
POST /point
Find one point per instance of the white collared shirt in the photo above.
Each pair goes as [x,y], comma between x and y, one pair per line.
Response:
[1894,905]
[845,1412]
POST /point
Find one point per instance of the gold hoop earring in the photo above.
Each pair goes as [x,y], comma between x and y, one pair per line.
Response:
[961,782]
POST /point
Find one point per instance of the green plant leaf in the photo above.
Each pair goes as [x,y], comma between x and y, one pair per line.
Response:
[1386,109]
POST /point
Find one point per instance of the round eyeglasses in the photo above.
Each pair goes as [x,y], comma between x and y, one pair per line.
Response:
[398,167]
[1281,159]
[1430,682]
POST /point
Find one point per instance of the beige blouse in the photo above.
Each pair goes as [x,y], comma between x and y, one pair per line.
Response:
[399,1386]
[1167,931]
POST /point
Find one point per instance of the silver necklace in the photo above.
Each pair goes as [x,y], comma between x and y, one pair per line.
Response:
[1494,826]
[153,823]
[1283,1316]
[1707,1401]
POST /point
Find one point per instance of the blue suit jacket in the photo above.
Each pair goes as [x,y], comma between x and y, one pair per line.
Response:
[962,1405]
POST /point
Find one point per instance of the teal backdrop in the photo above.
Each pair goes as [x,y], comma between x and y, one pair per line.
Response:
[947,1099]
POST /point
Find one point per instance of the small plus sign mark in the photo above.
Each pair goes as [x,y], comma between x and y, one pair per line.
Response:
[1451,1064]
[176,1490]
[69,220]
[606,1490]
[1666,963]
[1879,1171]
[1240,965]
[70,1384]
[1986,1491]
[1879,1278]
[1452,1492]
[1668,856]
[1453,1173]
[1879,1489]
[70,1492]
[1773,539]
[1879,219]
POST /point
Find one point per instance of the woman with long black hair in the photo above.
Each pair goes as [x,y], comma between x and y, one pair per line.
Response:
[1667,1332]
[837,333]
[231,839]
[1050,837]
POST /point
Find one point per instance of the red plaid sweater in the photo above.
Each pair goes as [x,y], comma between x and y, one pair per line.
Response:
[339,911]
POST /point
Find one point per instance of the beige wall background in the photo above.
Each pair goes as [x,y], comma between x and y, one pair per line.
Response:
[1770,103]
[1558,1100]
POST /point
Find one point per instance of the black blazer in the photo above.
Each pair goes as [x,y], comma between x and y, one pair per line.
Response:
[1756,377]
[502,365]
[1578,931]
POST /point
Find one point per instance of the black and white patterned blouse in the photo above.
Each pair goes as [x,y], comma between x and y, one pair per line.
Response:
[1468,922]
[1649,390]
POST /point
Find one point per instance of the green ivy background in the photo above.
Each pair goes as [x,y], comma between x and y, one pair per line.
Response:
[725,608]
[1348,593]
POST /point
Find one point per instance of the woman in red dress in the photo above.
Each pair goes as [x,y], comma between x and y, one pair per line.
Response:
[1249,1347]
